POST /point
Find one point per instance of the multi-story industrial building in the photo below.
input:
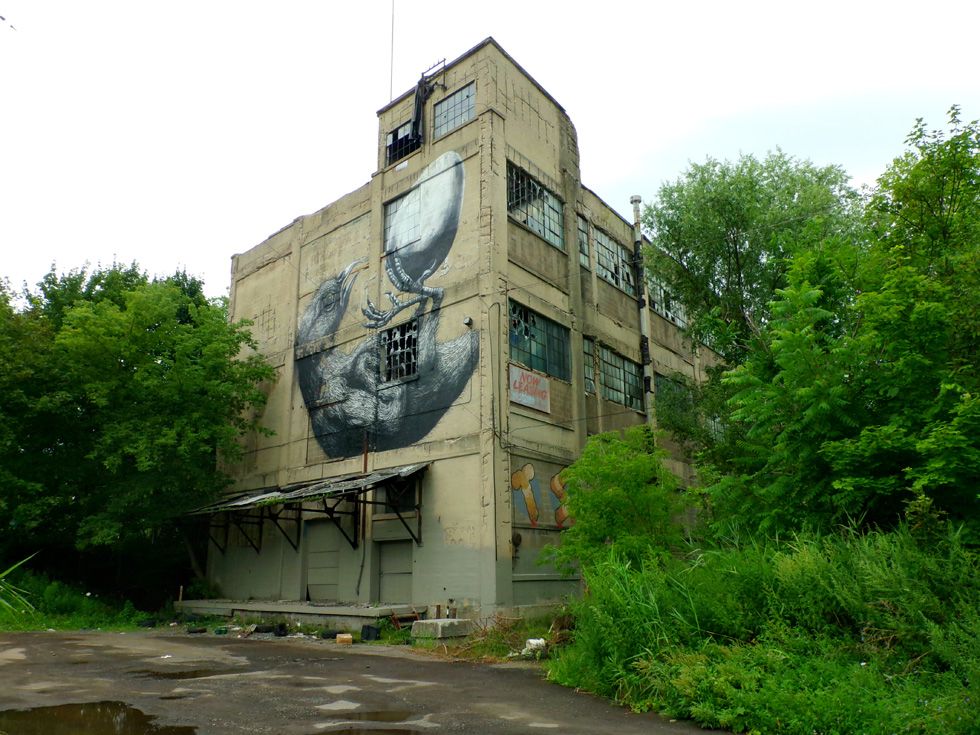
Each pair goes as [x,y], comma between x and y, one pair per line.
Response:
[446,337]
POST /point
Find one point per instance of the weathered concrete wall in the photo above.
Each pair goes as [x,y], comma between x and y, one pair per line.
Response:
[325,289]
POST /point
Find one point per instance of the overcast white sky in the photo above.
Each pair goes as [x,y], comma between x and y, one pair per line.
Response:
[176,134]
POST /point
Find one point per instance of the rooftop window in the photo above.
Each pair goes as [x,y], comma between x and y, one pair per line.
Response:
[454,110]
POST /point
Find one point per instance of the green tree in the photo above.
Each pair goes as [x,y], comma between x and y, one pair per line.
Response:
[622,498]
[852,408]
[135,389]
[725,234]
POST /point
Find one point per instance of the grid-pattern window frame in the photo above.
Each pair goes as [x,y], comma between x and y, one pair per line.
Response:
[588,364]
[534,206]
[399,347]
[400,142]
[538,342]
[583,242]
[622,379]
[455,110]
[614,262]
[403,221]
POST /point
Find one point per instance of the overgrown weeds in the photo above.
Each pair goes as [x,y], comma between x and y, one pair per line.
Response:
[47,603]
[872,633]
[501,638]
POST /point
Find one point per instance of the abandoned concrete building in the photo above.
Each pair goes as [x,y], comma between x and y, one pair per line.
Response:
[446,338]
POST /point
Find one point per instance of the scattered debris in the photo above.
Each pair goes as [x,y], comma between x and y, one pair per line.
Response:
[535,648]
[345,639]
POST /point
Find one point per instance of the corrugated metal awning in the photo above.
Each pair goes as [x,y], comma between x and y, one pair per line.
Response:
[348,485]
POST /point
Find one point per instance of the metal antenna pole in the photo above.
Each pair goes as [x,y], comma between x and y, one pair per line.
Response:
[391,56]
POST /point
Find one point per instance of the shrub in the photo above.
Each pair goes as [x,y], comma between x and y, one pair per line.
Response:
[871,633]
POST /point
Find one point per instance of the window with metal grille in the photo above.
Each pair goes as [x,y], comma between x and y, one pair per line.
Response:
[400,351]
[622,379]
[538,342]
[588,362]
[403,221]
[455,110]
[532,205]
[614,263]
[400,142]
[583,241]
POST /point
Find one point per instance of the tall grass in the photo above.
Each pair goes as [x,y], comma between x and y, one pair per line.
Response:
[12,600]
[41,603]
[871,633]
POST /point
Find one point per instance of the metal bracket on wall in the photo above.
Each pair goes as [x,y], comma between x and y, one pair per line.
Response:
[242,521]
[222,547]
[275,517]
[417,534]
[335,516]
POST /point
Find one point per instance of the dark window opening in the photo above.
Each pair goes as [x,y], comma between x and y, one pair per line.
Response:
[400,496]
[400,352]
[401,142]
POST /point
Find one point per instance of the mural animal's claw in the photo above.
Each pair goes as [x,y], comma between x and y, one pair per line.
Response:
[375,317]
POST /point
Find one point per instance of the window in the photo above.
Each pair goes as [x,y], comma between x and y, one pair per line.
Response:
[400,352]
[534,206]
[614,263]
[622,379]
[664,304]
[403,221]
[583,241]
[455,110]
[401,142]
[400,495]
[588,348]
[538,342]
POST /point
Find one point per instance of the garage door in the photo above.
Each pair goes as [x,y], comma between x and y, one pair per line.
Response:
[322,543]
[396,571]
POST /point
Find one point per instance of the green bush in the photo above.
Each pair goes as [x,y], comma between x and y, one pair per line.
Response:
[871,633]
[58,605]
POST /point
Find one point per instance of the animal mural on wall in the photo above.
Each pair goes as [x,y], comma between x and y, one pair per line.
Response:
[524,482]
[372,396]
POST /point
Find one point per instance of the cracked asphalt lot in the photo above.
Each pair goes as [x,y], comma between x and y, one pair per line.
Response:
[224,685]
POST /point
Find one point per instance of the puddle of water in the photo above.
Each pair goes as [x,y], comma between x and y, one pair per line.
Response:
[92,718]
[377,716]
[181,675]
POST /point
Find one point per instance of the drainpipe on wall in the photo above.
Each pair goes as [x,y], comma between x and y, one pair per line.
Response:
[641,285]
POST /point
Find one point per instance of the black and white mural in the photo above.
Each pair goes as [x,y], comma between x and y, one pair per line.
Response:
[390,389]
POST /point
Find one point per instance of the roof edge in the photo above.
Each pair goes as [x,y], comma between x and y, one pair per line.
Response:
[488,41]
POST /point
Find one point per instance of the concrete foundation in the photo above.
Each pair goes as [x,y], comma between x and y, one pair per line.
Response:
[442,628]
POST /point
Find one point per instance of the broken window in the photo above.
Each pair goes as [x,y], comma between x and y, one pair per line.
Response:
[532,205]
[401,142]
[622,379]
[454,110]
[614,263]
[588,348]
[538,342]
[583,241]
[400,352]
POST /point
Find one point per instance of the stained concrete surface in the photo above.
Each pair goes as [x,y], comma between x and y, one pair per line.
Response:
[223,685]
